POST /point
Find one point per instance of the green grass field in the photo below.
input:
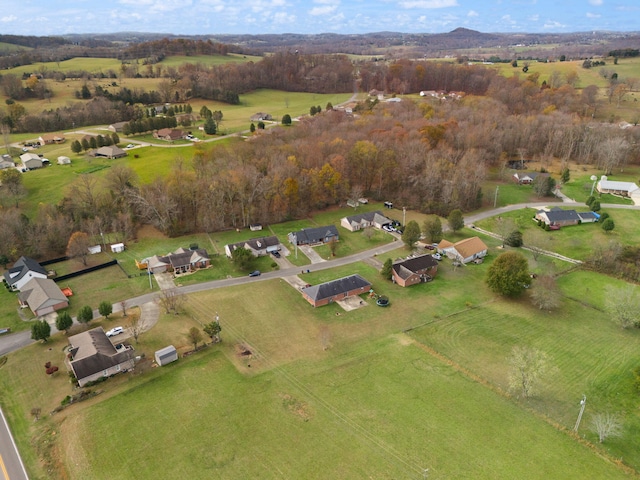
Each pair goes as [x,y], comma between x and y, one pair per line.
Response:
[352,392]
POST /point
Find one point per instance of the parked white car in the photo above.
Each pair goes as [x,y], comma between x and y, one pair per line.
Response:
[115,331]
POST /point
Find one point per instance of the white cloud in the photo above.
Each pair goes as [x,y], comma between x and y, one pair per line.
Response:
[597,3]
[284,18]
[534,18]
[593,15]
[428,3]
[552,25]
[472,13]
[324,10]
[9,18]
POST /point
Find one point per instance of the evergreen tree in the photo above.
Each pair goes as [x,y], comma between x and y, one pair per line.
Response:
[387,269]
[210,126]
[286,119]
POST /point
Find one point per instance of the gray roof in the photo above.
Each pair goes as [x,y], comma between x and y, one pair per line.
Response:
[335,287]
[316,234]
[40,293]
[588,215]
[260,243]
[23,266]
[372,217]
[406,268]
[93,352]
[557,215]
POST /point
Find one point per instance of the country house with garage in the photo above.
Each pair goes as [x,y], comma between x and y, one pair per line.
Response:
[556,216]
[622,189]
[257,246]
[51,138]
[169,134]
[22,271]
[42,296]
[180,261]
[314,236]
[422,268]
[329,292]
[92,356]
[354,223]
[110,151]
[464,251]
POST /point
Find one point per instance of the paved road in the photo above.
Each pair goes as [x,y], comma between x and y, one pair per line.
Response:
[11,466]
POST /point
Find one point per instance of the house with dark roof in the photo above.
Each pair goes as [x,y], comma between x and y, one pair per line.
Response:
[180,261]
[22,271]
[354,223]
[42,296]
[257,246]
[422,268]
[314,236]
[92,355]
[329,292]
[556,216]
[527,178]
[588,217]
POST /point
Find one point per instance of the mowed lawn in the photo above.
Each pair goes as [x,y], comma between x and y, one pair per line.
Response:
[374,404]
[327,393]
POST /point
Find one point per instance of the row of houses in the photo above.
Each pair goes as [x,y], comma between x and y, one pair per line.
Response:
[36,291]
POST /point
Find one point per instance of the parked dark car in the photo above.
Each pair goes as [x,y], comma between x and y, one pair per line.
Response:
[276,254]
[255,273]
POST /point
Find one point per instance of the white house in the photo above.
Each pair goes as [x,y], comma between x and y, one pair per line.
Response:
[623,189]
[22,271]
[354,223]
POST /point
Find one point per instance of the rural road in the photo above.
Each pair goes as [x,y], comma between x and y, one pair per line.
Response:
[11,466]
[12,342]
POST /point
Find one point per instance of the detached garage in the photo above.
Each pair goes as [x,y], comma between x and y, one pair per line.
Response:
[166,355]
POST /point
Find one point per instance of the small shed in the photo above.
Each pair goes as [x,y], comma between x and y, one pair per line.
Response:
[117,247]
[95,249]
[62,160]
[166,355]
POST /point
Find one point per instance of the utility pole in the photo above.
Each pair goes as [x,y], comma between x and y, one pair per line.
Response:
[495,199]
[404,216]
[583,403]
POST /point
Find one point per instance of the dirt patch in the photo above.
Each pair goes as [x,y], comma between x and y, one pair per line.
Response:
[351,303]
[296,407]
[404,340]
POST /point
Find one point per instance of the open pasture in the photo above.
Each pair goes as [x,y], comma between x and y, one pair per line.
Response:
[352,393]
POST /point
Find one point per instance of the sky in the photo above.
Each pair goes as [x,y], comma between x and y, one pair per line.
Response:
[202,17]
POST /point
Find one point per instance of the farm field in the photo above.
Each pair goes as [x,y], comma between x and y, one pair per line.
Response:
[351,391]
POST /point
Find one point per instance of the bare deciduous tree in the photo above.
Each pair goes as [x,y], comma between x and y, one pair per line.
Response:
[545,293]
[536,240]
[606,425]
[623,305]
[528,365]
[78,246]
[135,326]
[172,300]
